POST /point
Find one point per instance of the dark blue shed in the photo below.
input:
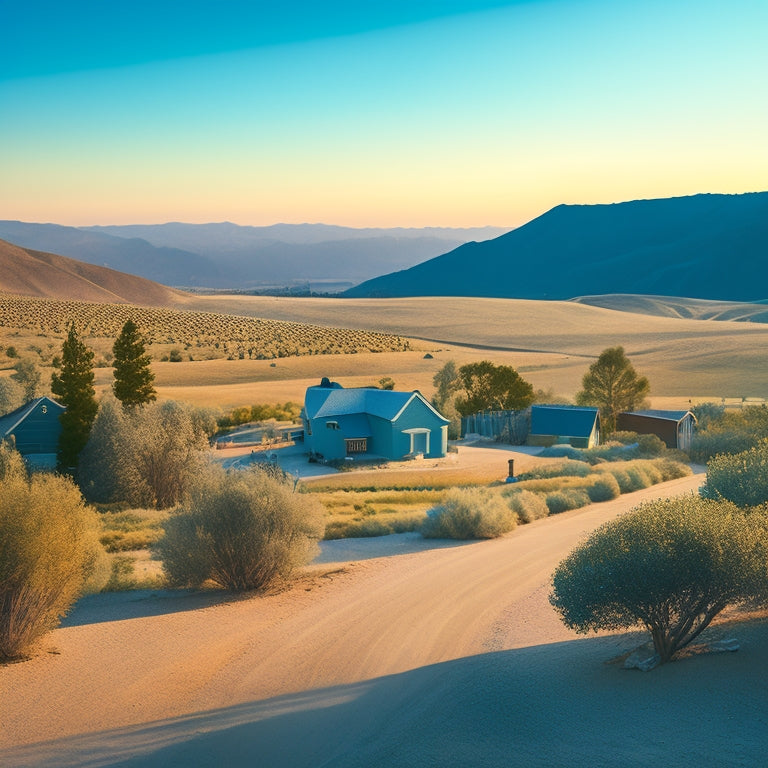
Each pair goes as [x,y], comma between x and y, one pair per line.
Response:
[576,425]
[34,429]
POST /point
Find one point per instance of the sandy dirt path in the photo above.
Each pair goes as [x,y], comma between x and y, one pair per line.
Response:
[445,656]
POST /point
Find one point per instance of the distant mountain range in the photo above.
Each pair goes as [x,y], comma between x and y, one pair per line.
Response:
[25,272]
[222,256]
[703,246]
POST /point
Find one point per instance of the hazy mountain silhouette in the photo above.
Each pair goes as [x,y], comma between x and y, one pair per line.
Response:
[26,272]
[230,256]
[703,246]
[134,256]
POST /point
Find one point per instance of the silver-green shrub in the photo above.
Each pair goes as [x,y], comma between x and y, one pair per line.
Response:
[469,513]
[527,505]
[604,488]
[741,477]
[670,565]
[570,498]
[48,548]
[241,530]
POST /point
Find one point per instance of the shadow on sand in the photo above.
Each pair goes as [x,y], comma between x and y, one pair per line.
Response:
[550,705]
[140,603]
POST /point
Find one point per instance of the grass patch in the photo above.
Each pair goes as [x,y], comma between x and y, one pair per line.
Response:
[128,531]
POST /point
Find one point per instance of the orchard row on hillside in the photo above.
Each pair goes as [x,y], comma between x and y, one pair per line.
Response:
[230,335]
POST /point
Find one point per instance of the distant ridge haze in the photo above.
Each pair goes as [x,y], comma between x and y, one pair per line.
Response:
[702,246]
[229,256]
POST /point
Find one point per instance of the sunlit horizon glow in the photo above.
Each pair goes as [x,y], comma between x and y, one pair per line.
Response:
[488,115]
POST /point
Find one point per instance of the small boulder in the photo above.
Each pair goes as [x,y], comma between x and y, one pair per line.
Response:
[643,658]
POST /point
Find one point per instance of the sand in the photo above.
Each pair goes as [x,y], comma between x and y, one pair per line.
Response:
[384,652]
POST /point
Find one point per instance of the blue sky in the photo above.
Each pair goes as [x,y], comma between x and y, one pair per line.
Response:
[375,114]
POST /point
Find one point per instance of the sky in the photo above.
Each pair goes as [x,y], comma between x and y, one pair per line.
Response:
[374,113]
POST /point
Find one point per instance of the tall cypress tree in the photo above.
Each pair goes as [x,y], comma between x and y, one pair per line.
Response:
[133,378]
[74,389]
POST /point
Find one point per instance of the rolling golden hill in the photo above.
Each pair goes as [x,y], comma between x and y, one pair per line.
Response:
[45,275]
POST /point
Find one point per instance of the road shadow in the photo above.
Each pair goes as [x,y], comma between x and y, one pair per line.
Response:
[141,603]
[551,705]
[347,550]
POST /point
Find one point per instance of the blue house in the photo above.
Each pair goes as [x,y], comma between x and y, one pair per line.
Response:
[34,429]
[371,422]
[556,424]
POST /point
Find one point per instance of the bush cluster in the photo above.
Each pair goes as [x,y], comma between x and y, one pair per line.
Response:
[469,513]
[48,548]
[527,505]
[562,501]
[741,477]
[722,431]
[241,530]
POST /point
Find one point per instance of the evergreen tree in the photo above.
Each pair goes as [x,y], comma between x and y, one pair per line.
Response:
[74,389]
[133,378]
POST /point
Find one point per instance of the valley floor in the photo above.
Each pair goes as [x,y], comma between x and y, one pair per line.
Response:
[409,653]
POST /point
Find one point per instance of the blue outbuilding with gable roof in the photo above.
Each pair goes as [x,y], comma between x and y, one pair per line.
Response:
[371,422]
[34,430]
[575,425]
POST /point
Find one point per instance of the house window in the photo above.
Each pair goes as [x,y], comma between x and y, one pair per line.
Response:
[331,424]
[357,445]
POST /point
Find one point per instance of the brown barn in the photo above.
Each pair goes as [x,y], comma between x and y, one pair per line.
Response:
[675,428]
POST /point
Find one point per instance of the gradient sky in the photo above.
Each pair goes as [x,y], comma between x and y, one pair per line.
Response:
[375,113]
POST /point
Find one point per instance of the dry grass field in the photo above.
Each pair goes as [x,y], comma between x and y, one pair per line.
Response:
[550,343]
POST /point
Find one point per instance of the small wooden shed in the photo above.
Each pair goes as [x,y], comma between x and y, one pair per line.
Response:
[34,430]
[675,428]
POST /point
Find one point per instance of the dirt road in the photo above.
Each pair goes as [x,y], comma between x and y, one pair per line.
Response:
[446,656]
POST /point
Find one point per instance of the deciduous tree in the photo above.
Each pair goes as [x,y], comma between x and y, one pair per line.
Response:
[11,395]
[133,377]
[73,387]
[492,387]
[27,376]
[670,565]
[613,385]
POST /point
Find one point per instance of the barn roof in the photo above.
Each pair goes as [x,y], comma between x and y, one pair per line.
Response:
[563,420]
[676,416]
[11,420]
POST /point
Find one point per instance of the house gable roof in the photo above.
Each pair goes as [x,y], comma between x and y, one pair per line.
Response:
[329,402]
[564,420]
[11,420]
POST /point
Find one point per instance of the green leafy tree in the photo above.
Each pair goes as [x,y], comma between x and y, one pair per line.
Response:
[133,377]
[73,387]
[240,529]
[612,384]
[670,565]
[27,376]
[48,548]
[386,382]
[492,387]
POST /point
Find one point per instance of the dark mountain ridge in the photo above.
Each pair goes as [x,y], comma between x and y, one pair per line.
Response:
[704,246]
